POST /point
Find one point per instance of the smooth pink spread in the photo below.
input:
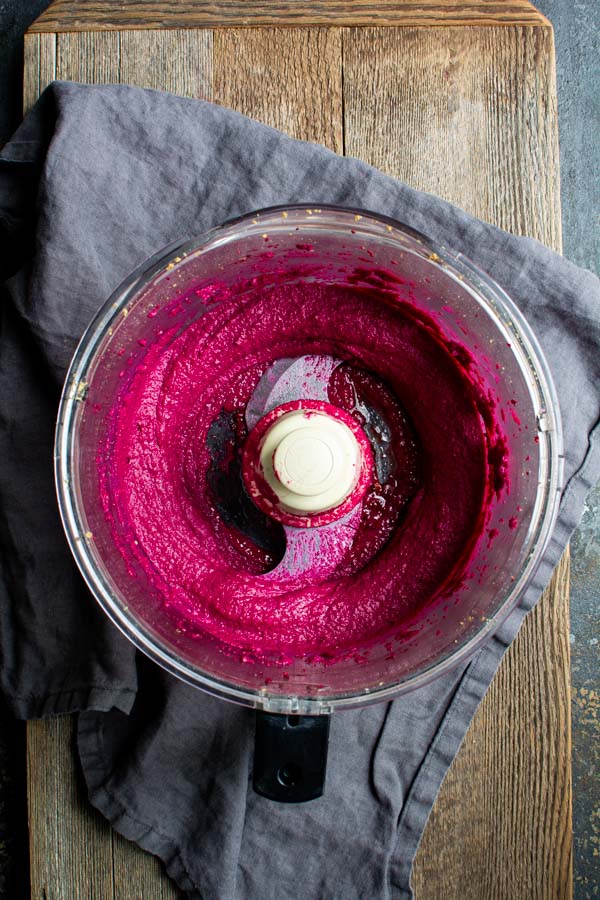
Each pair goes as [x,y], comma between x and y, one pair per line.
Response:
[161,476]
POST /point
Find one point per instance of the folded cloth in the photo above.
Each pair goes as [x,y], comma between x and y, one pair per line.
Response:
[95,180]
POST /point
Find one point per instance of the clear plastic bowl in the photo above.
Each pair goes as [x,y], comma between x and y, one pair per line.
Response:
[468,306]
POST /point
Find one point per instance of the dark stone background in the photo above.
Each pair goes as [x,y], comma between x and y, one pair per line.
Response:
[578,65]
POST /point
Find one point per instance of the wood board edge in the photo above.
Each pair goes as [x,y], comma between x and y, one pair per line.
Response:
[79,15]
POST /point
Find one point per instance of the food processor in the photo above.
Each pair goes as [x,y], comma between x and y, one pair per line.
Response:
[294,472]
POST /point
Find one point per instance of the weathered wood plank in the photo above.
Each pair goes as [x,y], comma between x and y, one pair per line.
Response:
[89,57]
[270,74]
[178,60]
[138,875]
[40,66]
[501,826]
[70,844]
[470,114]
[93,15]
[74,852]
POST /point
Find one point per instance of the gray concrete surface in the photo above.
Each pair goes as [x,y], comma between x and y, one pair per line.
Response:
[585,636]
[578,70]
[577,38]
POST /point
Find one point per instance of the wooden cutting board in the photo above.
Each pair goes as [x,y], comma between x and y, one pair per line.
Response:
[454,98]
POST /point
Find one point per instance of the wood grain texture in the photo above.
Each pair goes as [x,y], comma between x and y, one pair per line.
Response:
[138,875]
[179,60]
[94,15]
[269,74]
[92,58]
[75,854]
[501,825]
[62,825]
[39,66]
[469,114]
[466,113]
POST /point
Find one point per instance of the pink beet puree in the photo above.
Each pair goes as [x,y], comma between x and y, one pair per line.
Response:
[161,475]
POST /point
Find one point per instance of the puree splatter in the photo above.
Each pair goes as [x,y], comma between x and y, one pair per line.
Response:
[172,489]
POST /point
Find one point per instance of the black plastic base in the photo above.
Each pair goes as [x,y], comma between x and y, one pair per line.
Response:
[290,757]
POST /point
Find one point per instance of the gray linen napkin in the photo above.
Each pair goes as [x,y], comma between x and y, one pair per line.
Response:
[95,180]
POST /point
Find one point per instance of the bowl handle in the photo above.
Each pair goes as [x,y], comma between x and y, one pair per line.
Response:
[290,756]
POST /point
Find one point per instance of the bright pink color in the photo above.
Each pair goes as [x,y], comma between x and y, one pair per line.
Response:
[451,462]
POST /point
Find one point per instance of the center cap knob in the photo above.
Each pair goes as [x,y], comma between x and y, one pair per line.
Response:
[304,463]
[314,460]
[311,460]
[316,457]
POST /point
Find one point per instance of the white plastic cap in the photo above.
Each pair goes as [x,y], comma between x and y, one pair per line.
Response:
[311,461]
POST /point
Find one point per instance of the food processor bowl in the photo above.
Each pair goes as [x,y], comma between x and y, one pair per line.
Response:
[326,245]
